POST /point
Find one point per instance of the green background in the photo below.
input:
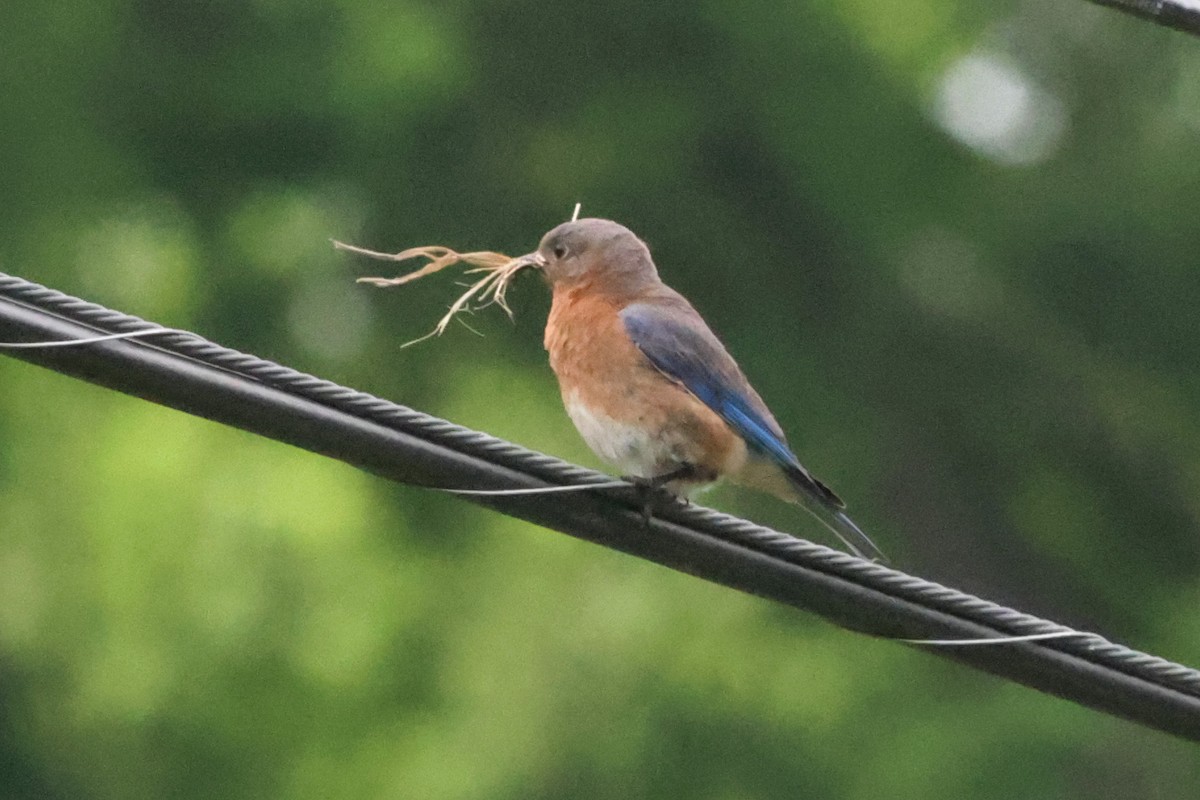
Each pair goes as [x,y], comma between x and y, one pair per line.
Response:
[953,244]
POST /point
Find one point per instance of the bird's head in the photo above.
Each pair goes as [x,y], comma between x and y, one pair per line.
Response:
[598,252]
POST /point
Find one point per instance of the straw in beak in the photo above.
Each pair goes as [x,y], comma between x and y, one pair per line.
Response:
[499,271]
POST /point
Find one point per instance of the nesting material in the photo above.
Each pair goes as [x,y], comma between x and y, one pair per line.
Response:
[498,272]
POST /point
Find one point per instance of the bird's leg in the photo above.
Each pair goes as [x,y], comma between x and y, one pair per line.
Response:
[653,488]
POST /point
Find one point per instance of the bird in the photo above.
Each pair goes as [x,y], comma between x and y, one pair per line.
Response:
[650,387]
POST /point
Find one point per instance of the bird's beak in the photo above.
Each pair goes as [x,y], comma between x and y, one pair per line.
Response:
[534,259]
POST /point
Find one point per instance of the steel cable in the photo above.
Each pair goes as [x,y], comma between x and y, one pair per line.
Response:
[187,372]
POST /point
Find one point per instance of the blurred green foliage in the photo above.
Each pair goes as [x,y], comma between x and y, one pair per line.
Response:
[953,244]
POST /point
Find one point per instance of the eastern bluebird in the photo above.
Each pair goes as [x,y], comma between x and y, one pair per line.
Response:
[649,386]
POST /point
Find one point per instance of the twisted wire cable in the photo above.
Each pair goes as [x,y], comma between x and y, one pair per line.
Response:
[1182,15]
[188,372]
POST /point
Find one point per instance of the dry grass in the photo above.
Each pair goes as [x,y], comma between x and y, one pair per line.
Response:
[498,269]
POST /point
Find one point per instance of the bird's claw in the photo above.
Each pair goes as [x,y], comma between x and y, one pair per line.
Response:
[653,492]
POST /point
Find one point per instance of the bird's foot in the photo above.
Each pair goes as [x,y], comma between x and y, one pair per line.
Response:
[653,492]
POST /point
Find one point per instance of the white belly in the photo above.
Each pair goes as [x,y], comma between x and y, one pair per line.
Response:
[627,447]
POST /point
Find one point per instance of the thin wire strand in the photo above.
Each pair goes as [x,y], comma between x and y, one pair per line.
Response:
[1033,637]
[583,487]
[108,337]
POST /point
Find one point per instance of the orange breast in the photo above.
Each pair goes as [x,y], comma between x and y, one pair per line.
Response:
[629,413]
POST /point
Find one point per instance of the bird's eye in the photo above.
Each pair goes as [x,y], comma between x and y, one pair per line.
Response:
[560,251]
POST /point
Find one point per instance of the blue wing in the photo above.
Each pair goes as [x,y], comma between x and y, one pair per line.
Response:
[682,347]
[677,342]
